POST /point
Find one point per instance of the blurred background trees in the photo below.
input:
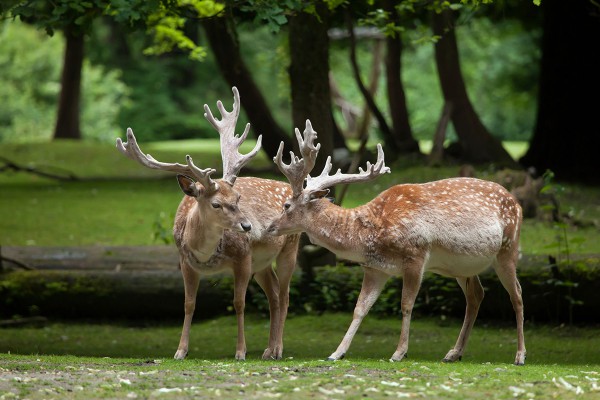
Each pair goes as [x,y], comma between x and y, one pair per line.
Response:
[152,65]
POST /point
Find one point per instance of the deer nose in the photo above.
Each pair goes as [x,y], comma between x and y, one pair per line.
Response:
[246,226]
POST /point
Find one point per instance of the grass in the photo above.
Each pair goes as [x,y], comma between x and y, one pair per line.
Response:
[118,361]
[120,202]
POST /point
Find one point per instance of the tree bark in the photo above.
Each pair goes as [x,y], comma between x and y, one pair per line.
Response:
[477,145]
[395,90]
[309,78]
[220,33]
[311,99]
[566,137]
[67,121]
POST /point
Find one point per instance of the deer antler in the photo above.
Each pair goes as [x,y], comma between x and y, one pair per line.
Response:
[133,151]
[324,180]
[233,160]
[299,168]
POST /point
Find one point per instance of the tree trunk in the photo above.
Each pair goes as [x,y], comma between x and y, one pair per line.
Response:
[67,121]
[311,99]
[566,138]
[391,145]
[309,78]
[395,90]
[477,145]
[221,37]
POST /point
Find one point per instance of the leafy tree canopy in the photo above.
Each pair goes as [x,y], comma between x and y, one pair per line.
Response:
[162,19]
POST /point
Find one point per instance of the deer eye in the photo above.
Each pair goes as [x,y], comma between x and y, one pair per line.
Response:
[286,206]
[215,205]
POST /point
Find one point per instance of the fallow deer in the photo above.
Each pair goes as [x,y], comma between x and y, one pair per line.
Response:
[221,227]
[453,227]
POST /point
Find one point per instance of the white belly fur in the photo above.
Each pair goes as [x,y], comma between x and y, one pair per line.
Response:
[457,265]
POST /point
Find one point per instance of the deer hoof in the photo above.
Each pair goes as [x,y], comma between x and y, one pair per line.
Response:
[452,356]
[180,354]
[272,354]
[333,358]
[520,358]
[397,357]
[240,356]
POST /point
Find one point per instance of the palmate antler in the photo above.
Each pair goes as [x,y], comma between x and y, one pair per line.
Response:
[233,161]
[299,168]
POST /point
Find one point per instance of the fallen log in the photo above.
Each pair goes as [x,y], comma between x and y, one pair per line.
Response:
[144,283]
[104,282]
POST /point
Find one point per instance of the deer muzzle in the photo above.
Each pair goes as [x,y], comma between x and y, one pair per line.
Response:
[246,226]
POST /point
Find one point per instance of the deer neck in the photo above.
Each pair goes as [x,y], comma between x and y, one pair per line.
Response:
[202,236]
[343,231]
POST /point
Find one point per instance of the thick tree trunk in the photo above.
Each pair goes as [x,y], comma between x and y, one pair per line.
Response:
[567,134]
[476,143]
[221,37]
[395,91]
[309,78]
[67,121]
[311,99]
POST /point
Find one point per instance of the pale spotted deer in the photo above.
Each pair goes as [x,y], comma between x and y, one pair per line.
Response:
[220,227]
[452,227]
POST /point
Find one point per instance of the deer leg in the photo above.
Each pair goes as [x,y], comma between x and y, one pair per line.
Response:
[267,280]
[473,291]
[373,282]
[506,268]
[241,277]
[411,282]
[286,263]
[191,280]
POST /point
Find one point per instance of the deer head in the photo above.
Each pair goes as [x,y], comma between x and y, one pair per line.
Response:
[217,200]
[308,200]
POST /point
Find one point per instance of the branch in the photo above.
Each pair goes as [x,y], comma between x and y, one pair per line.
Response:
[9,165]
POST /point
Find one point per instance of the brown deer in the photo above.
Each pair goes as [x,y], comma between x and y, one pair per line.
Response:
[453,227]
[220,227]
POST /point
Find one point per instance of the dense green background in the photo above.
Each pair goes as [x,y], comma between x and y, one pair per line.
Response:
[162,97]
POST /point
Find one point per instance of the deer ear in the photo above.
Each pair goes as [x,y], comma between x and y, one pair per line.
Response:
[187,185]
[319,194]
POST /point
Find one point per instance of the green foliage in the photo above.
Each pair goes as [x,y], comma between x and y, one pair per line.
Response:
[166,27]
[163,96]
[336,288]
[31,84]
[60,14]
[163,228]
[561,263]
[271,13]
[499,64]
[501,82]
[78,16]
[29,81]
